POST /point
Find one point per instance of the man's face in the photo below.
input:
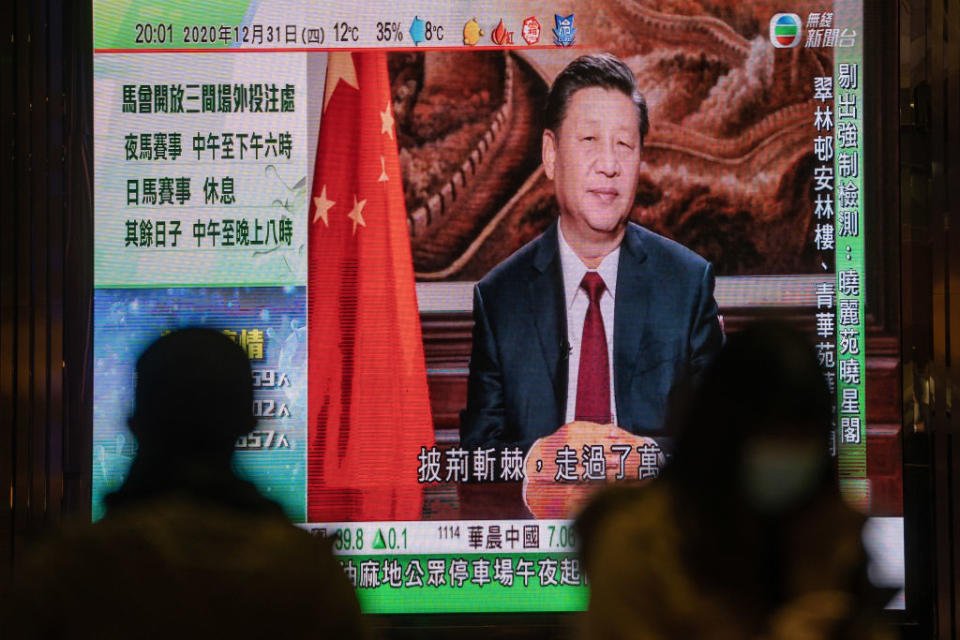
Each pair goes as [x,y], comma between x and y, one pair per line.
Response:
[594,161]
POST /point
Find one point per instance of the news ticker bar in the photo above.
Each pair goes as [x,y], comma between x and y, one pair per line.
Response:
[485,582]
[530,581]
[299,24]
[447,536]
[850,223]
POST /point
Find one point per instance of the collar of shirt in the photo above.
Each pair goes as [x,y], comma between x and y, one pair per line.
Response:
[574,270]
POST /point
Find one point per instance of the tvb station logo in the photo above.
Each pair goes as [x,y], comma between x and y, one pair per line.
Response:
[785,30]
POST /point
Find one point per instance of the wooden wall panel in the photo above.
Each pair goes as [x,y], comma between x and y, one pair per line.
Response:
[45,244]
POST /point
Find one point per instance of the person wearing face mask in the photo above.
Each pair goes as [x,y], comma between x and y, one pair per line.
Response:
[597,318]
[745,535]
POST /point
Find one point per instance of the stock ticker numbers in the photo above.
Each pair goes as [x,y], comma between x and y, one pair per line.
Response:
[510,536]
[460,536]
[347,539]
[514,553]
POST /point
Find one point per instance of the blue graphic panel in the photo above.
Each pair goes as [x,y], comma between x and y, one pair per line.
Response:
[268,322]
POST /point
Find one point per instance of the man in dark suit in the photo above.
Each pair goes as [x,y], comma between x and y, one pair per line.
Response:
[542,355]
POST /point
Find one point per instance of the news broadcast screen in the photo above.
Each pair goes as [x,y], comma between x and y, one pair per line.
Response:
[364,198]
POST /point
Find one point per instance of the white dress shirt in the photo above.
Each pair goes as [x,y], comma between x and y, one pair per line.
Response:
[577,303]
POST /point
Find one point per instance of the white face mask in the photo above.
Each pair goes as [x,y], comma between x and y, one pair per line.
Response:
[778,473]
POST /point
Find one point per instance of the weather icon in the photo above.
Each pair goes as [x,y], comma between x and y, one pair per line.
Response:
[418,30]
[472,32]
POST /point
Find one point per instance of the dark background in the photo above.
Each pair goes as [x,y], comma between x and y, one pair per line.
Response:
[46,222]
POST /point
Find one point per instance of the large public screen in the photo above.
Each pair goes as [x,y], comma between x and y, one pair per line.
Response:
[362,196]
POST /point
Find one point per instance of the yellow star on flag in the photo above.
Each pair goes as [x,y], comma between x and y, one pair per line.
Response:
[339,67]
[386,120]
[356,214]
[322,206]
[383,170]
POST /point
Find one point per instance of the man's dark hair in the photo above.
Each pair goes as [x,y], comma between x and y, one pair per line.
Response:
[194,398]
[193,385]
[595,70]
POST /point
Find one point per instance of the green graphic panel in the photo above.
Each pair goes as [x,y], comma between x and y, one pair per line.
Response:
[159,24]
[850,268]
[473,589]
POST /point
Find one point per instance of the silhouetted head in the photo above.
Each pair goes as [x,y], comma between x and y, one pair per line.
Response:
[757,428]
[194,396]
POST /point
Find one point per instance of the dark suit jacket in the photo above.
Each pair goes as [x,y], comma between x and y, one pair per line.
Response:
[665,327]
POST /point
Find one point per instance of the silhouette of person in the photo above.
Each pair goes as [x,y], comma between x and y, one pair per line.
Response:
[186,549]
[745,535]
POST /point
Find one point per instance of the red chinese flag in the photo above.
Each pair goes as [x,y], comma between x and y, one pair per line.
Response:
[368,406]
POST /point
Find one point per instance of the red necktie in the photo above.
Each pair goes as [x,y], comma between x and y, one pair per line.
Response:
[593,379]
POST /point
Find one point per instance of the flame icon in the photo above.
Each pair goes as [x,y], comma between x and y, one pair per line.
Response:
[500,35]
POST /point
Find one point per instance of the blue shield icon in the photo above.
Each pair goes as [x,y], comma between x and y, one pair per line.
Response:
[564,33]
